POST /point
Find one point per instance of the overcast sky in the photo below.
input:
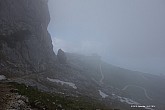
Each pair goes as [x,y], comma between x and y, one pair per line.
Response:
[127,33]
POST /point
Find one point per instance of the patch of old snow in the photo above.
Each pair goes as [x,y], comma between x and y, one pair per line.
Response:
[103,95]
[2,77]
[113,94]
[63,82]
[127,100]
[131,102]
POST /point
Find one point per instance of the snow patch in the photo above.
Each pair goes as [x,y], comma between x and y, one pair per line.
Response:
[63,82]
[2,77]
[130,101]
[113,94]
[127,100]
[103,95]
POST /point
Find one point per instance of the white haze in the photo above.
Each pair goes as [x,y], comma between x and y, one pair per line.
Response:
[127,33]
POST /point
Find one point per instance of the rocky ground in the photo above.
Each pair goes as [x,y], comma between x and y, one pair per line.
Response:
[14,96]
[11,100]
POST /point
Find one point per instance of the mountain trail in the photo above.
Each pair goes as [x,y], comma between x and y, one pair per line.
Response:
[145,91]
[102,76]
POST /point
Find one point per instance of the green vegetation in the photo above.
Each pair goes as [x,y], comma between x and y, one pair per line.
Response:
[52,101]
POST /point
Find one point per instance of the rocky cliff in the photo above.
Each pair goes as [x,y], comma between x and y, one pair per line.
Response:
[25,44]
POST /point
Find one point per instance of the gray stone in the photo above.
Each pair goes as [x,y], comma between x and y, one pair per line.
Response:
[24,40]
[61,56]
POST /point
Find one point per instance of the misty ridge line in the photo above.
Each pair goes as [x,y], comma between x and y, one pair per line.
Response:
[125,33]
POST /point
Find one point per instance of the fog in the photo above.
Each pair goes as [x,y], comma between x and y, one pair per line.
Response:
[126,33]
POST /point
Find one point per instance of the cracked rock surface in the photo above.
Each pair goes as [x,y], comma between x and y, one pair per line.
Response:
[25,44]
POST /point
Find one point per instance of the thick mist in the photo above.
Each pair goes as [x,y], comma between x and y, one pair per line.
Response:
[126,33]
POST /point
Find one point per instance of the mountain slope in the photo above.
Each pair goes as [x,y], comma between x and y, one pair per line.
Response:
[144,88]
[26,56]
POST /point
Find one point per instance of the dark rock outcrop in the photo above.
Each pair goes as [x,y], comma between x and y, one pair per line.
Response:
[25,44]
[61,56]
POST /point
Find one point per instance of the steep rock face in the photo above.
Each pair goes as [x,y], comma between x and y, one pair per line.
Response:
[25,44]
